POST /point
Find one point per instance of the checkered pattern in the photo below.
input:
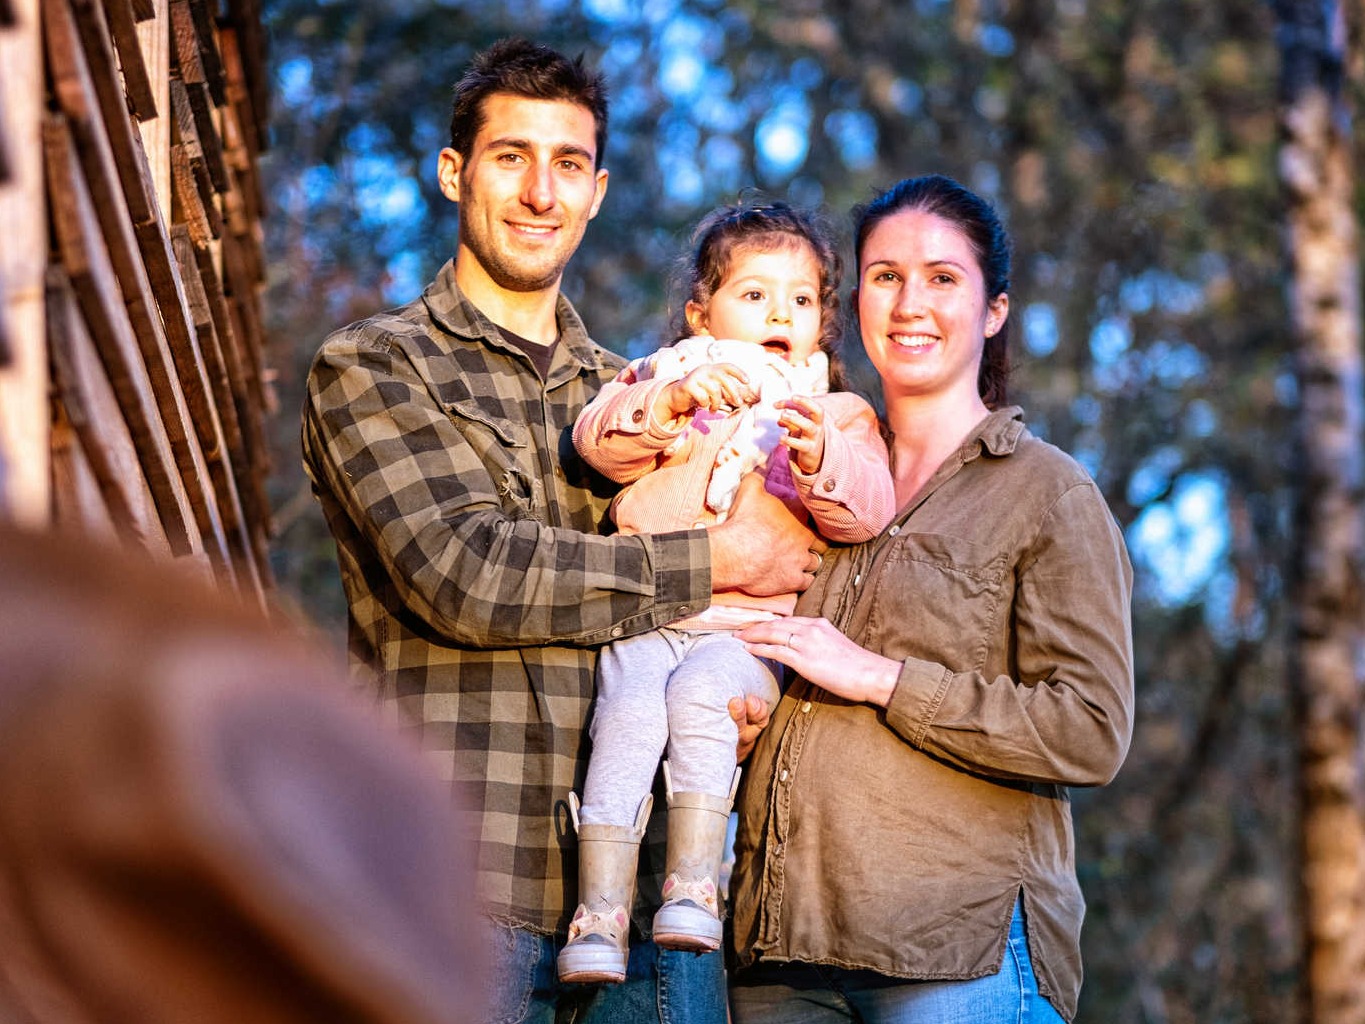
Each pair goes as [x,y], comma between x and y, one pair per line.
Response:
[468,532]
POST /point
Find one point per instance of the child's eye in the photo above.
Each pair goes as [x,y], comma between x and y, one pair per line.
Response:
[753,295]
[804,300]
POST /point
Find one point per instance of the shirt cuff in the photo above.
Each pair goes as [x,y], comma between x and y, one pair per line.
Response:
[915,701]
[682,576]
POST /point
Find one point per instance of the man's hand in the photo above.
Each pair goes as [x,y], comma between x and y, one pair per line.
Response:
[762,549]
[751,715]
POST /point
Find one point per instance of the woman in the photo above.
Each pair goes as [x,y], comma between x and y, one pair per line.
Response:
[905,844]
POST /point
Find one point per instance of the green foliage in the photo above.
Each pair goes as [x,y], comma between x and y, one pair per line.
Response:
[1131,147]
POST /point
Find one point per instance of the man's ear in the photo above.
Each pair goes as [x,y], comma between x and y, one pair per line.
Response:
[448,166]
[696,317]
[601,186]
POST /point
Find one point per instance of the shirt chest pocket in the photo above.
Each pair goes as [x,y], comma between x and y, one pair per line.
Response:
[939,597]
[504,448]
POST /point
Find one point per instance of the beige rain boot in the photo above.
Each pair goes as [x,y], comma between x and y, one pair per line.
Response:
[599,935]
[690,916]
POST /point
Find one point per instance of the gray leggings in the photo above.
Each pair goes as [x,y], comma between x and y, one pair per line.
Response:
[667,688]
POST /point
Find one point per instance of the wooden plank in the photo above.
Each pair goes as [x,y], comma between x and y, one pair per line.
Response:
[143,10]
[25,417]
[7,15]
[240,289]
[188,207]
[137,83]
[205,297]
[185,411]
[77,503]
[82,388]
[244,17]
[209,141]
[232,471]
[82,252]
[155,38]
[206,35]
[85,79]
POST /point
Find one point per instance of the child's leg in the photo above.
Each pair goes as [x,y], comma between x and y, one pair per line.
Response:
[629,727]
[701,777]
[701,733]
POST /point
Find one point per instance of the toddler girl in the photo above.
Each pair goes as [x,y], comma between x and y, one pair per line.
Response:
[748,389]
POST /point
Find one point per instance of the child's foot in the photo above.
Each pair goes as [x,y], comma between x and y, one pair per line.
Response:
[597,948]
[690,916]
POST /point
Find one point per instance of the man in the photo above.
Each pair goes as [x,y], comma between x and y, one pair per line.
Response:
[438,437]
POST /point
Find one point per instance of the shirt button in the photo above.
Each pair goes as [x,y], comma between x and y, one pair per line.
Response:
[637,416]
[828,485]
[805,708]
[857,579]
[684,610]
[783,776]
[894,530]
[616,631]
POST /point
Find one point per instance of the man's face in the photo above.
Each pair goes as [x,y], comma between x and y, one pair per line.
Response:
[526,193]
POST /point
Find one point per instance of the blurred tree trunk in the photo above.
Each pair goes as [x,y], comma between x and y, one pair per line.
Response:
[1317,174]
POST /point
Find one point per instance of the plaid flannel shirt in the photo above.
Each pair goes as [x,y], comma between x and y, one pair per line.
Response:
[479,584]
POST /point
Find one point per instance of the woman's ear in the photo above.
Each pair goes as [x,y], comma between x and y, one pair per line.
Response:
[696,317]
[997,313]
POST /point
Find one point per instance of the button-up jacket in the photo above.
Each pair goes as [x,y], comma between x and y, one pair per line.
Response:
[899,839]
[478,586]
[669,468]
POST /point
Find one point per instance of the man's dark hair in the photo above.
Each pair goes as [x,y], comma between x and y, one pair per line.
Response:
[522,68]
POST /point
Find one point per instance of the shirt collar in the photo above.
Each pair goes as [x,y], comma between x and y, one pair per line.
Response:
[453,311]
[998,433]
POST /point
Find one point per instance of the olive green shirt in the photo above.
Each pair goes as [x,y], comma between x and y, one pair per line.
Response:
[899,839]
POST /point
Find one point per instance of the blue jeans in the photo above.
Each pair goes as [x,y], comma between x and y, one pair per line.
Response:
[662,985]
[801,993]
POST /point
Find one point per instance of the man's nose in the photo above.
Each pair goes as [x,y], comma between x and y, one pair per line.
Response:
[539,191]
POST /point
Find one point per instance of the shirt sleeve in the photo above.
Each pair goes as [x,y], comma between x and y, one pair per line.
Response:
[415,487]
[851,497]
[1067,716]
[617,433]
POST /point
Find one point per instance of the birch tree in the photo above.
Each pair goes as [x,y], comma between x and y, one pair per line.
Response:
[1317,175]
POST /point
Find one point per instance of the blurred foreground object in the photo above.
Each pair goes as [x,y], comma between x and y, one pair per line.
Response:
[198,821]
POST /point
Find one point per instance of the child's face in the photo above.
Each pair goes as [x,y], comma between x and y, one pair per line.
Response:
[770,297]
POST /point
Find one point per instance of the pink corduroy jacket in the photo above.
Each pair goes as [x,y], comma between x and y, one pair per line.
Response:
[667,466]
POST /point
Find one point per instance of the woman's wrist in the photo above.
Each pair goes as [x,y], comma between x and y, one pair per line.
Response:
[881,681]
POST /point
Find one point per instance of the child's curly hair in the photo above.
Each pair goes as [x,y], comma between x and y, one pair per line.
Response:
[763,225]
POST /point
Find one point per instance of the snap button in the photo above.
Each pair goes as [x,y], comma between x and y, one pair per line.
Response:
[783,776]
[805,708]
[637,415]
[894,530]
[828,485]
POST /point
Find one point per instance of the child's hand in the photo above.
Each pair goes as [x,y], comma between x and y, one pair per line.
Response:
[804,421]
[714,386]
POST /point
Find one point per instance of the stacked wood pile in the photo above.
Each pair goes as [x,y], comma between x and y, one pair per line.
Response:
[152,121]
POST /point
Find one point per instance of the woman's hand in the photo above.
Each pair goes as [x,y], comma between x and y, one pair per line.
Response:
[822,654]
[804,421]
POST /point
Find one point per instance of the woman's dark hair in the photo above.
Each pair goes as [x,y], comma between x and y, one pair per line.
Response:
[523,68]
[763,225]
[943,197]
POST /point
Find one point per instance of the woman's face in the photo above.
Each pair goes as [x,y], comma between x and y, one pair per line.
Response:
[922,307]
